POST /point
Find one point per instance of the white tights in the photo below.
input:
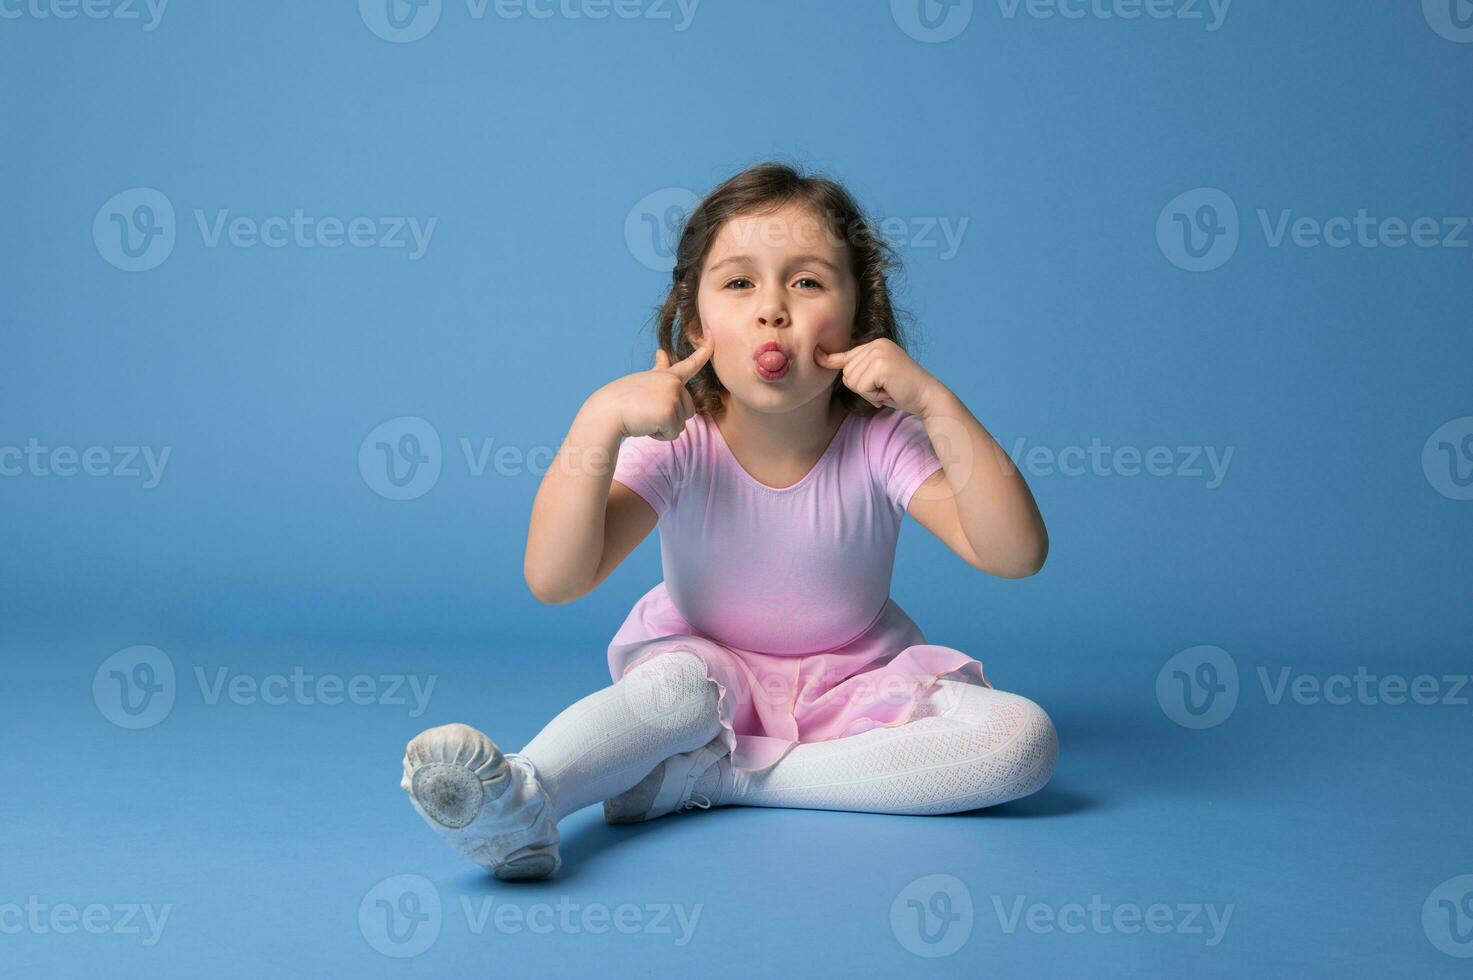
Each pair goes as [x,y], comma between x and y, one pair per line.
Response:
[603,744]
[966,747]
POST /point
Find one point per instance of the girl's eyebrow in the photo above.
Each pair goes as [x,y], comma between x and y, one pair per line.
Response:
[795,260]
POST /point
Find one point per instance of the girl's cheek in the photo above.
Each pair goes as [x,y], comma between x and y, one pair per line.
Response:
[833,335]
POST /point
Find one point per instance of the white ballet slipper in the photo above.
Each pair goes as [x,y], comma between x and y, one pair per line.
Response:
[489,806]
[673,786]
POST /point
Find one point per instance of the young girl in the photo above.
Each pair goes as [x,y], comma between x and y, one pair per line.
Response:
[778,441]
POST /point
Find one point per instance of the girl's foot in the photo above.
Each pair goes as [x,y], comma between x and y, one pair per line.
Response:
[682,782]
[488,806]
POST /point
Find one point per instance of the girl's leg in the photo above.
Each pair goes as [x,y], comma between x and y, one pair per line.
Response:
[605,743]
[969,747]
[501,810]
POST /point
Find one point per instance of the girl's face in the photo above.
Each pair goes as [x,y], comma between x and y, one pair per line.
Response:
[782,278]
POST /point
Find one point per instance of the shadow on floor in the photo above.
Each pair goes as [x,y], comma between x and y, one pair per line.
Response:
[1051,801]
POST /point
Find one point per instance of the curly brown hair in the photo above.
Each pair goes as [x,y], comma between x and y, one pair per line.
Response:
[759,190]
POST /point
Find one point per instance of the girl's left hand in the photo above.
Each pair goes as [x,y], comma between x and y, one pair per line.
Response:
[882,374]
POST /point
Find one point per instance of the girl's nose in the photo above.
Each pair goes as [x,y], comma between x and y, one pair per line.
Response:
[772,315]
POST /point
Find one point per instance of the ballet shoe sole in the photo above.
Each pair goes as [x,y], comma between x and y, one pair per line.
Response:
[450,794]
[527,868]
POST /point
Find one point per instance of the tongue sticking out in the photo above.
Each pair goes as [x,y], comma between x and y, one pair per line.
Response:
[772,360]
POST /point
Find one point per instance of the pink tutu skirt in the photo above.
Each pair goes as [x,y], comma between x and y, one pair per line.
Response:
[771,702]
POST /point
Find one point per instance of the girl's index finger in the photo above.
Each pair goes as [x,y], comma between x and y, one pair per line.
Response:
[825,359]
[687,367]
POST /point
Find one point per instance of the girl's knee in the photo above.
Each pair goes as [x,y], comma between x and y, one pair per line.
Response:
[1024,748]
[1038,744]
[671,690]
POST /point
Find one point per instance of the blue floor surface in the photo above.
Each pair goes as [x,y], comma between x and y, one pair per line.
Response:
[272,840]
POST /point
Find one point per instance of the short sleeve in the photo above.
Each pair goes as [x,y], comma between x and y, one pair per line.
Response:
[902,455]
[646,465]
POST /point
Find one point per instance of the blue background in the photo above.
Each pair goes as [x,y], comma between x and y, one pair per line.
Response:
[1060,319]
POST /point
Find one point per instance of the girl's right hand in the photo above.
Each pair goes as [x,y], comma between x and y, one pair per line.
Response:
[656,402]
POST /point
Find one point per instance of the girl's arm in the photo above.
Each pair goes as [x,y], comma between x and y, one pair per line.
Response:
[565,536]
[978,503]
[580,531]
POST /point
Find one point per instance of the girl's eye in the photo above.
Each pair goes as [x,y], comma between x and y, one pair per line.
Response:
[738,279]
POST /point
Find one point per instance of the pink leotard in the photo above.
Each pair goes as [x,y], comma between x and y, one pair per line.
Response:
[784,592]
